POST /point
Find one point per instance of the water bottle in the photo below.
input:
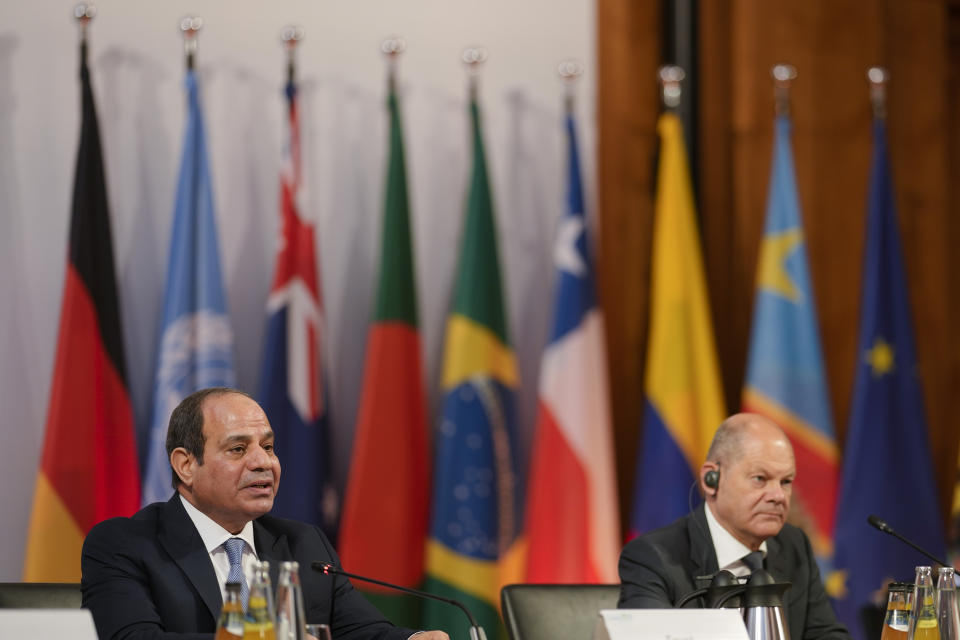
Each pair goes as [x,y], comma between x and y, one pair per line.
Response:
[291,616]
[230,625]
[897,621]
[259,624]
[923,616]
[948,615]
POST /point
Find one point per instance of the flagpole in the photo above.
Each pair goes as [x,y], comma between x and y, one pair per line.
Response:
[83,13]
[190,27]
[392,48]
[671,85]
[291,35]
[569,72]
[878,78]
[783,77]
[473,59]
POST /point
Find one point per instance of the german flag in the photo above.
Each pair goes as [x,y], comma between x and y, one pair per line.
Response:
[88,471]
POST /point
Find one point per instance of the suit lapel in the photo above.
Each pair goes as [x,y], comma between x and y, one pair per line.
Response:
[272,548]
[181,540]
[702,554]
[776,562]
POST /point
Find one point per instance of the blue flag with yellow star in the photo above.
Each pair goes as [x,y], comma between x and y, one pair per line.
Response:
[887,467]
[786,378]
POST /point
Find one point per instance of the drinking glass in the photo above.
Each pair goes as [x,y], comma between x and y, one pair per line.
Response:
[319,632]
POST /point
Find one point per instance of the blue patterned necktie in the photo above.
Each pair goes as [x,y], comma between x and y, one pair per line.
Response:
[753,560]
[234,547]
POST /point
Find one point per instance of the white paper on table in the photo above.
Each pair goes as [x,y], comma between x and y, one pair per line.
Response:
[670,624]
[47,624]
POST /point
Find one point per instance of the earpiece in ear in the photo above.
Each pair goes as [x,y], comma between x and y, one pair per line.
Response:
[712,478]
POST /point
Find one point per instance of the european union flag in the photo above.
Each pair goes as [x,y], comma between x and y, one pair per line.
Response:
[196,341]
[886,468]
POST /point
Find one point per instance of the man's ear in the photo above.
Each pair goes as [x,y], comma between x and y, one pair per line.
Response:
[709,478]
[184,464]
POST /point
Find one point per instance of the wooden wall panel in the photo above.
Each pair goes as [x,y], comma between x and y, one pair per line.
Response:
[832,43]
[627,105]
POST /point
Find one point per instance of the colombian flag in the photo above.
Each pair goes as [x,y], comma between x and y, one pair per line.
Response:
[474,545]
[786,378]
[684,398]
[389,486]
[88,471]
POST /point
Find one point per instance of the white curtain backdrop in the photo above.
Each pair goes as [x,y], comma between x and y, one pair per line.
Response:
[137,65]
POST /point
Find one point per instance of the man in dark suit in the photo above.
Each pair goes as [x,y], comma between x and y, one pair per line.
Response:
[161,573]
[746,482]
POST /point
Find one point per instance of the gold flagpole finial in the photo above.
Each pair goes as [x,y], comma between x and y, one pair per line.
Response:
[392,48]
[878,78]
[473,59]
[569,71]
[783,76]
[290,36]
[84,13]
[190,28]
[671,85]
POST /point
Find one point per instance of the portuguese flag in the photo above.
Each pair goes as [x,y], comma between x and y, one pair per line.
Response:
[384,523]
[88,471]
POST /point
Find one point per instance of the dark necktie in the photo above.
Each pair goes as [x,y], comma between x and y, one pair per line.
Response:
[753,560]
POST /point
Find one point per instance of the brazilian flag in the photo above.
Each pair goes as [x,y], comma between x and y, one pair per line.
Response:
[474,546]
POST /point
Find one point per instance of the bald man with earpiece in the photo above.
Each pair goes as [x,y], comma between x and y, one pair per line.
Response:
[747,483]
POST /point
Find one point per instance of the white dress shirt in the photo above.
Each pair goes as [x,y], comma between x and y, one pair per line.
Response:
[729,550]
[213,536]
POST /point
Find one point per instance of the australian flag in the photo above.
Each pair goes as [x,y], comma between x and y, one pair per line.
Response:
[291,383]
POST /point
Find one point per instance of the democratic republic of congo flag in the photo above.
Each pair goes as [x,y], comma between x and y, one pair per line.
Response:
[474,545]
[572,524]
[389,484]
[786,378]
[88,471]
[684,398]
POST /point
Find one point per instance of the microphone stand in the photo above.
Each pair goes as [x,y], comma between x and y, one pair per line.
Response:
[476,631]
[881,525]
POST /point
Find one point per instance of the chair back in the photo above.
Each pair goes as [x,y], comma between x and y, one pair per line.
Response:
[555,611]
[40,595]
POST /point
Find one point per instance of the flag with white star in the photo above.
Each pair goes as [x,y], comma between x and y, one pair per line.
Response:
[573,528]
[887,467]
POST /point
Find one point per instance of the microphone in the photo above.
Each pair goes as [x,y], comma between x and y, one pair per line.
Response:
[881,525]
[476,631]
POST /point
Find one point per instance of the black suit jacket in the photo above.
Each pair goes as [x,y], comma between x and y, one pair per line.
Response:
[150,577]
[659,568]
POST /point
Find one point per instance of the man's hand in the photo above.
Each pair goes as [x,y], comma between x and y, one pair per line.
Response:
[431,635]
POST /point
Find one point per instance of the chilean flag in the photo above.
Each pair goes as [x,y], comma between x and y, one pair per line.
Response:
[291,383]
[573,525]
